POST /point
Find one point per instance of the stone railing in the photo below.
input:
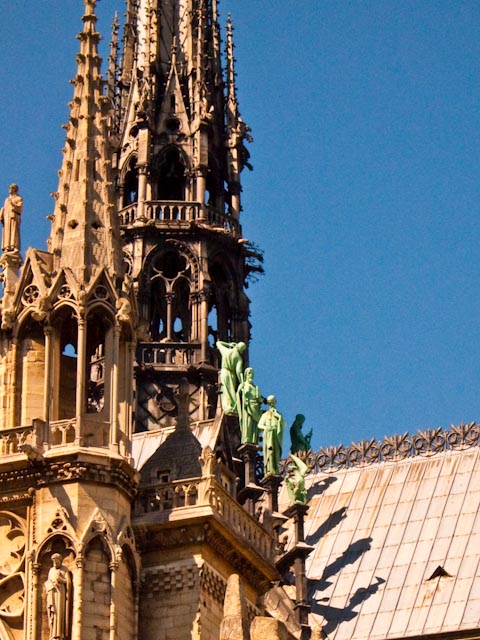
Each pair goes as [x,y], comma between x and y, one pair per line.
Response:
[239,520]
[12,440]
[95,433]
[397,447]
[62,432]
[205,492]
[168,212]
[168,496]
[161,353]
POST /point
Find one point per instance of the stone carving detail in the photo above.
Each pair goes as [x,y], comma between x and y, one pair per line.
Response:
[170,579]
[60,521]
[30,294]
[397,447]
[10,218]
[213,584]
[58,587]
[12,570]
[101,292]
[65,292]
[11,440]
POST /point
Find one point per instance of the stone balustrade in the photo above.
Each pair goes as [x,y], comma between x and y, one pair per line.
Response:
[239,520]
[62,432]
[162,353]
[12,440]
[169,212]
[205,492]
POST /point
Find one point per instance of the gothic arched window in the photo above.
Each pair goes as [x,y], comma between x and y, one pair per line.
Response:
[130,184]
[171,175]
[170,308]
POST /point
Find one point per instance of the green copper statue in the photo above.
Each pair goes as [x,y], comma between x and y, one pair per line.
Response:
[300,442]
[248,405]
[230,373]
[272,424]
[295,480]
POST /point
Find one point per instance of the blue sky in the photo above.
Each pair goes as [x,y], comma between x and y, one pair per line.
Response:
[364,195]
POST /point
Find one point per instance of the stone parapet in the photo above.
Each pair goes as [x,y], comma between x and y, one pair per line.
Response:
[171,213]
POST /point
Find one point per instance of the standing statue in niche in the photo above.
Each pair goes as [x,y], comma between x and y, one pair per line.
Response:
[300,441]
[231,373]
[58,587]
[272,424]
[10,217]
[248,405]
[295,480]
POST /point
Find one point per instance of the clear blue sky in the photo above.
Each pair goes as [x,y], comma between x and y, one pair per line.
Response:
[365,195]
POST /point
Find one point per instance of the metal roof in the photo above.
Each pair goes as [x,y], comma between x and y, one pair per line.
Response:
[397,546]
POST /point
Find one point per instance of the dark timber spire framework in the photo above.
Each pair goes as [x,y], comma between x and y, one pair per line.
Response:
[180,152]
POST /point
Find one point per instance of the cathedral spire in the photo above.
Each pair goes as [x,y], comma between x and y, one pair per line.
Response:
[113,59]
[85,234]
[237,130]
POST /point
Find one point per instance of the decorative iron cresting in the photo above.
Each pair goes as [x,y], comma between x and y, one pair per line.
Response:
[397,447]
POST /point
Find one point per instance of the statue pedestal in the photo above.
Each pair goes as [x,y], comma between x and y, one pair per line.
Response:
[250,492]
[296,558]
[10,262]
[272,483]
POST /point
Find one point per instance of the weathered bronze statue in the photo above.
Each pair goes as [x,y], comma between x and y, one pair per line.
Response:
[249,402]
[230,373]
[295,480]
[300,441]
[272,424]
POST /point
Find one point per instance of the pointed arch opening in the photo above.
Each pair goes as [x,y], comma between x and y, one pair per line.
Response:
[170,301]
[55,595]
[181,311]
[172,172]
[65,358]
[127,584]
[158,310]
[130,183]
[30,373]
[220,313]
[97,587]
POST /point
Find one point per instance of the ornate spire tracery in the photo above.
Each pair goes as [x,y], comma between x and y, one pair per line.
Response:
[85,234]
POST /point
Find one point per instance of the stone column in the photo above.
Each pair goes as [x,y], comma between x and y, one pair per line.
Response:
[35,599]
[114,390]
[12,385]
[77,599]
[296,557]
[250,492]
[142,192]
[272,483]
[47,384]
[204,325]
[113,613]
[81,368]
[169,300]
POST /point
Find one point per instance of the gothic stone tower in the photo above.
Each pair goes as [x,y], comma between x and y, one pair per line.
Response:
[113,444]
[69,566]
[179,157]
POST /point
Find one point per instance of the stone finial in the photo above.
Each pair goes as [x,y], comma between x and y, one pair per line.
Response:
[234,624]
